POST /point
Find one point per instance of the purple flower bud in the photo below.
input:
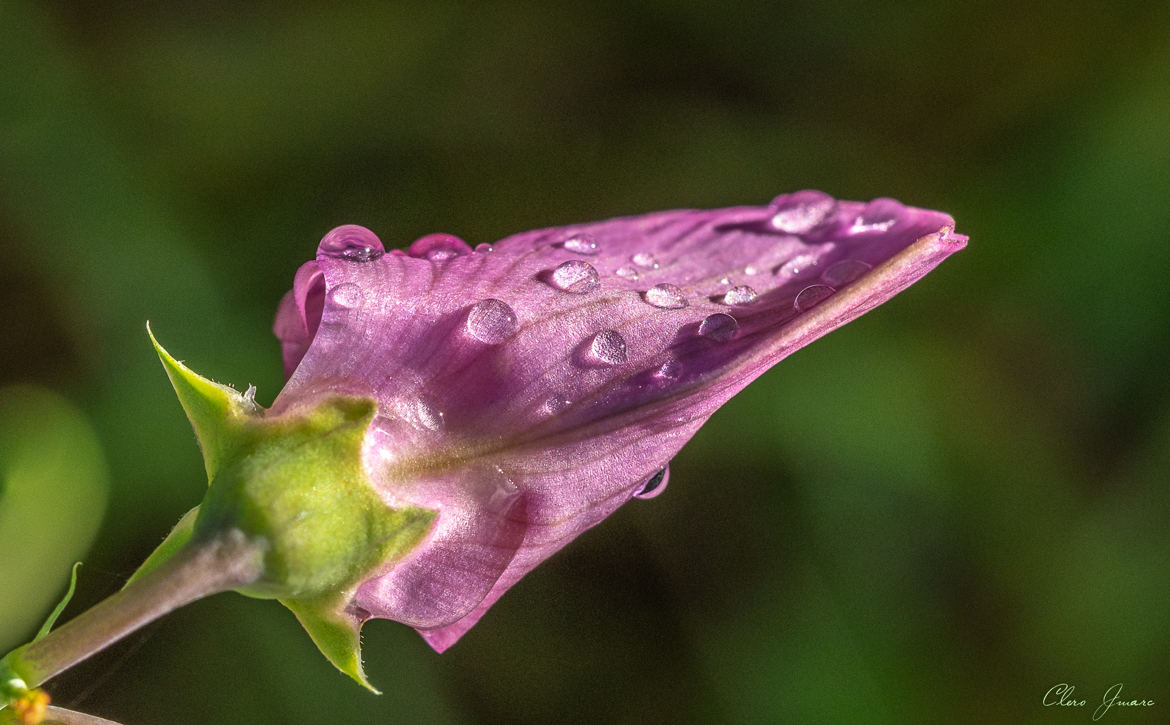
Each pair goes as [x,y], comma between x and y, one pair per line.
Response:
[527,389]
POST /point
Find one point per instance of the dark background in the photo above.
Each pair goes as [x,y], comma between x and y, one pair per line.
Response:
[933,515]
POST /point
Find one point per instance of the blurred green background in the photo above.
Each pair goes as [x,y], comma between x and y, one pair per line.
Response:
[933,515]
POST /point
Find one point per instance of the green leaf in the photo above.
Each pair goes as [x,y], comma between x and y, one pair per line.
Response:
[335,631]
[218,413]
[48,625]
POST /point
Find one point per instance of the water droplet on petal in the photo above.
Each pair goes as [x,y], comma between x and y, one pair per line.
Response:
[583,244]
[666,296]
[878,216]
[724,280]
[484,248]
[751,269]
[428,416]
[645,260]
[801,212]
[719,327]
[346,295]
[740,295]
[491,321]
[669,371]
[844,272]
[811,296]
[800,264]
[627,273]
[351,242]
[654,486]
[439,247]
[555,404]
[576,276]
[609,347]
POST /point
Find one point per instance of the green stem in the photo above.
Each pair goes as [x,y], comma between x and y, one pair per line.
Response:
[201,568]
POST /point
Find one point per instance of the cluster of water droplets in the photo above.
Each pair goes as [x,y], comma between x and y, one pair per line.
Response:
[351,242]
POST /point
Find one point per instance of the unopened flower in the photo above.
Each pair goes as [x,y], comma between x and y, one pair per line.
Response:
[527,388]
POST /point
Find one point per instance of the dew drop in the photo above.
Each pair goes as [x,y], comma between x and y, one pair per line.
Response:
[555,404]
[655,486]
[719,327]
[844,272]
[801,212]
[428,416]
[751,270]
[666,296]
[627,273]
[669,371]
[491,321]
[583,244]
[645,260]
[351,242]
[812,296]
[439,247]
[484,248]
[576,276]
[800,264]
[609,347]
[740,295]
[878,216]
[724,281]
[346,295]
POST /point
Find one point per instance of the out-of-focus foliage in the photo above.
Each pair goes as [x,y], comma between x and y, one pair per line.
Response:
[933,515]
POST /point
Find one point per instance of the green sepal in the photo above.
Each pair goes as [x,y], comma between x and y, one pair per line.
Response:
[218,413]
[175,540]
[296,484]
[336,632]
[57,610]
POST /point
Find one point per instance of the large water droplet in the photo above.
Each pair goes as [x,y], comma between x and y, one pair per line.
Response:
[491,321]
[555,404]
[655,486]
[583,244]
[351,242]
[740,295]
[439,247]
[844,272]
[346,295]
[429,416]
[666,296]
[627,273]
[719,327]
[609,347]
[576,276]
[878,216]
[801,212]
[811,296]
[645,260]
